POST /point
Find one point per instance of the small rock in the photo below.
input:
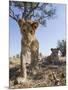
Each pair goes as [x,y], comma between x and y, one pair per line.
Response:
[15,82]
[57,82]
[62,75]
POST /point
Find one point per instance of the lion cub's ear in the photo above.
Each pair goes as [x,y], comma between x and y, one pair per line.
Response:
[21,22]
[34,25]
[51,49]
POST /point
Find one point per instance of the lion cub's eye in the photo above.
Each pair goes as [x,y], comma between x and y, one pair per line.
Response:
[35,26]
[24,30]
[31,31]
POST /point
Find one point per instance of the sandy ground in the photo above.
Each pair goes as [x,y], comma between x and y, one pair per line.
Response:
[44,78]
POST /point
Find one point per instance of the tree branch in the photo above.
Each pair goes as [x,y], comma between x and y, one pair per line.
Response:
[31,10]
[25,10]
[13,17]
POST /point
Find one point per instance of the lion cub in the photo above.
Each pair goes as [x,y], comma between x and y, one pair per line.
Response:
[54,55]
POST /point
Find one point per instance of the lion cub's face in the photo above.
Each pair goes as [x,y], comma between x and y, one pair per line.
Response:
[54,54]
[55,51]
[28,28]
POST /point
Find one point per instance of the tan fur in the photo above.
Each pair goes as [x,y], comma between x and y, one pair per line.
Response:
[54,54]
[29,43]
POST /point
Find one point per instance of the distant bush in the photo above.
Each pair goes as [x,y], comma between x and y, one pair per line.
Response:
[13,56]
[10,62]
[17,56]
[10,58]
[62,46]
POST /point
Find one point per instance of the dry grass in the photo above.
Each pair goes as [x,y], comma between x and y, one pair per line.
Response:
[44,78]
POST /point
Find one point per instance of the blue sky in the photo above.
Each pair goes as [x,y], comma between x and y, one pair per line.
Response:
[47,36]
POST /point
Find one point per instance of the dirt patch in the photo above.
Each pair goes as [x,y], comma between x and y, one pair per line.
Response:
[44,78]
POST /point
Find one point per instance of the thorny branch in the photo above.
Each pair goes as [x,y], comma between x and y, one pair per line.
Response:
[11,14]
